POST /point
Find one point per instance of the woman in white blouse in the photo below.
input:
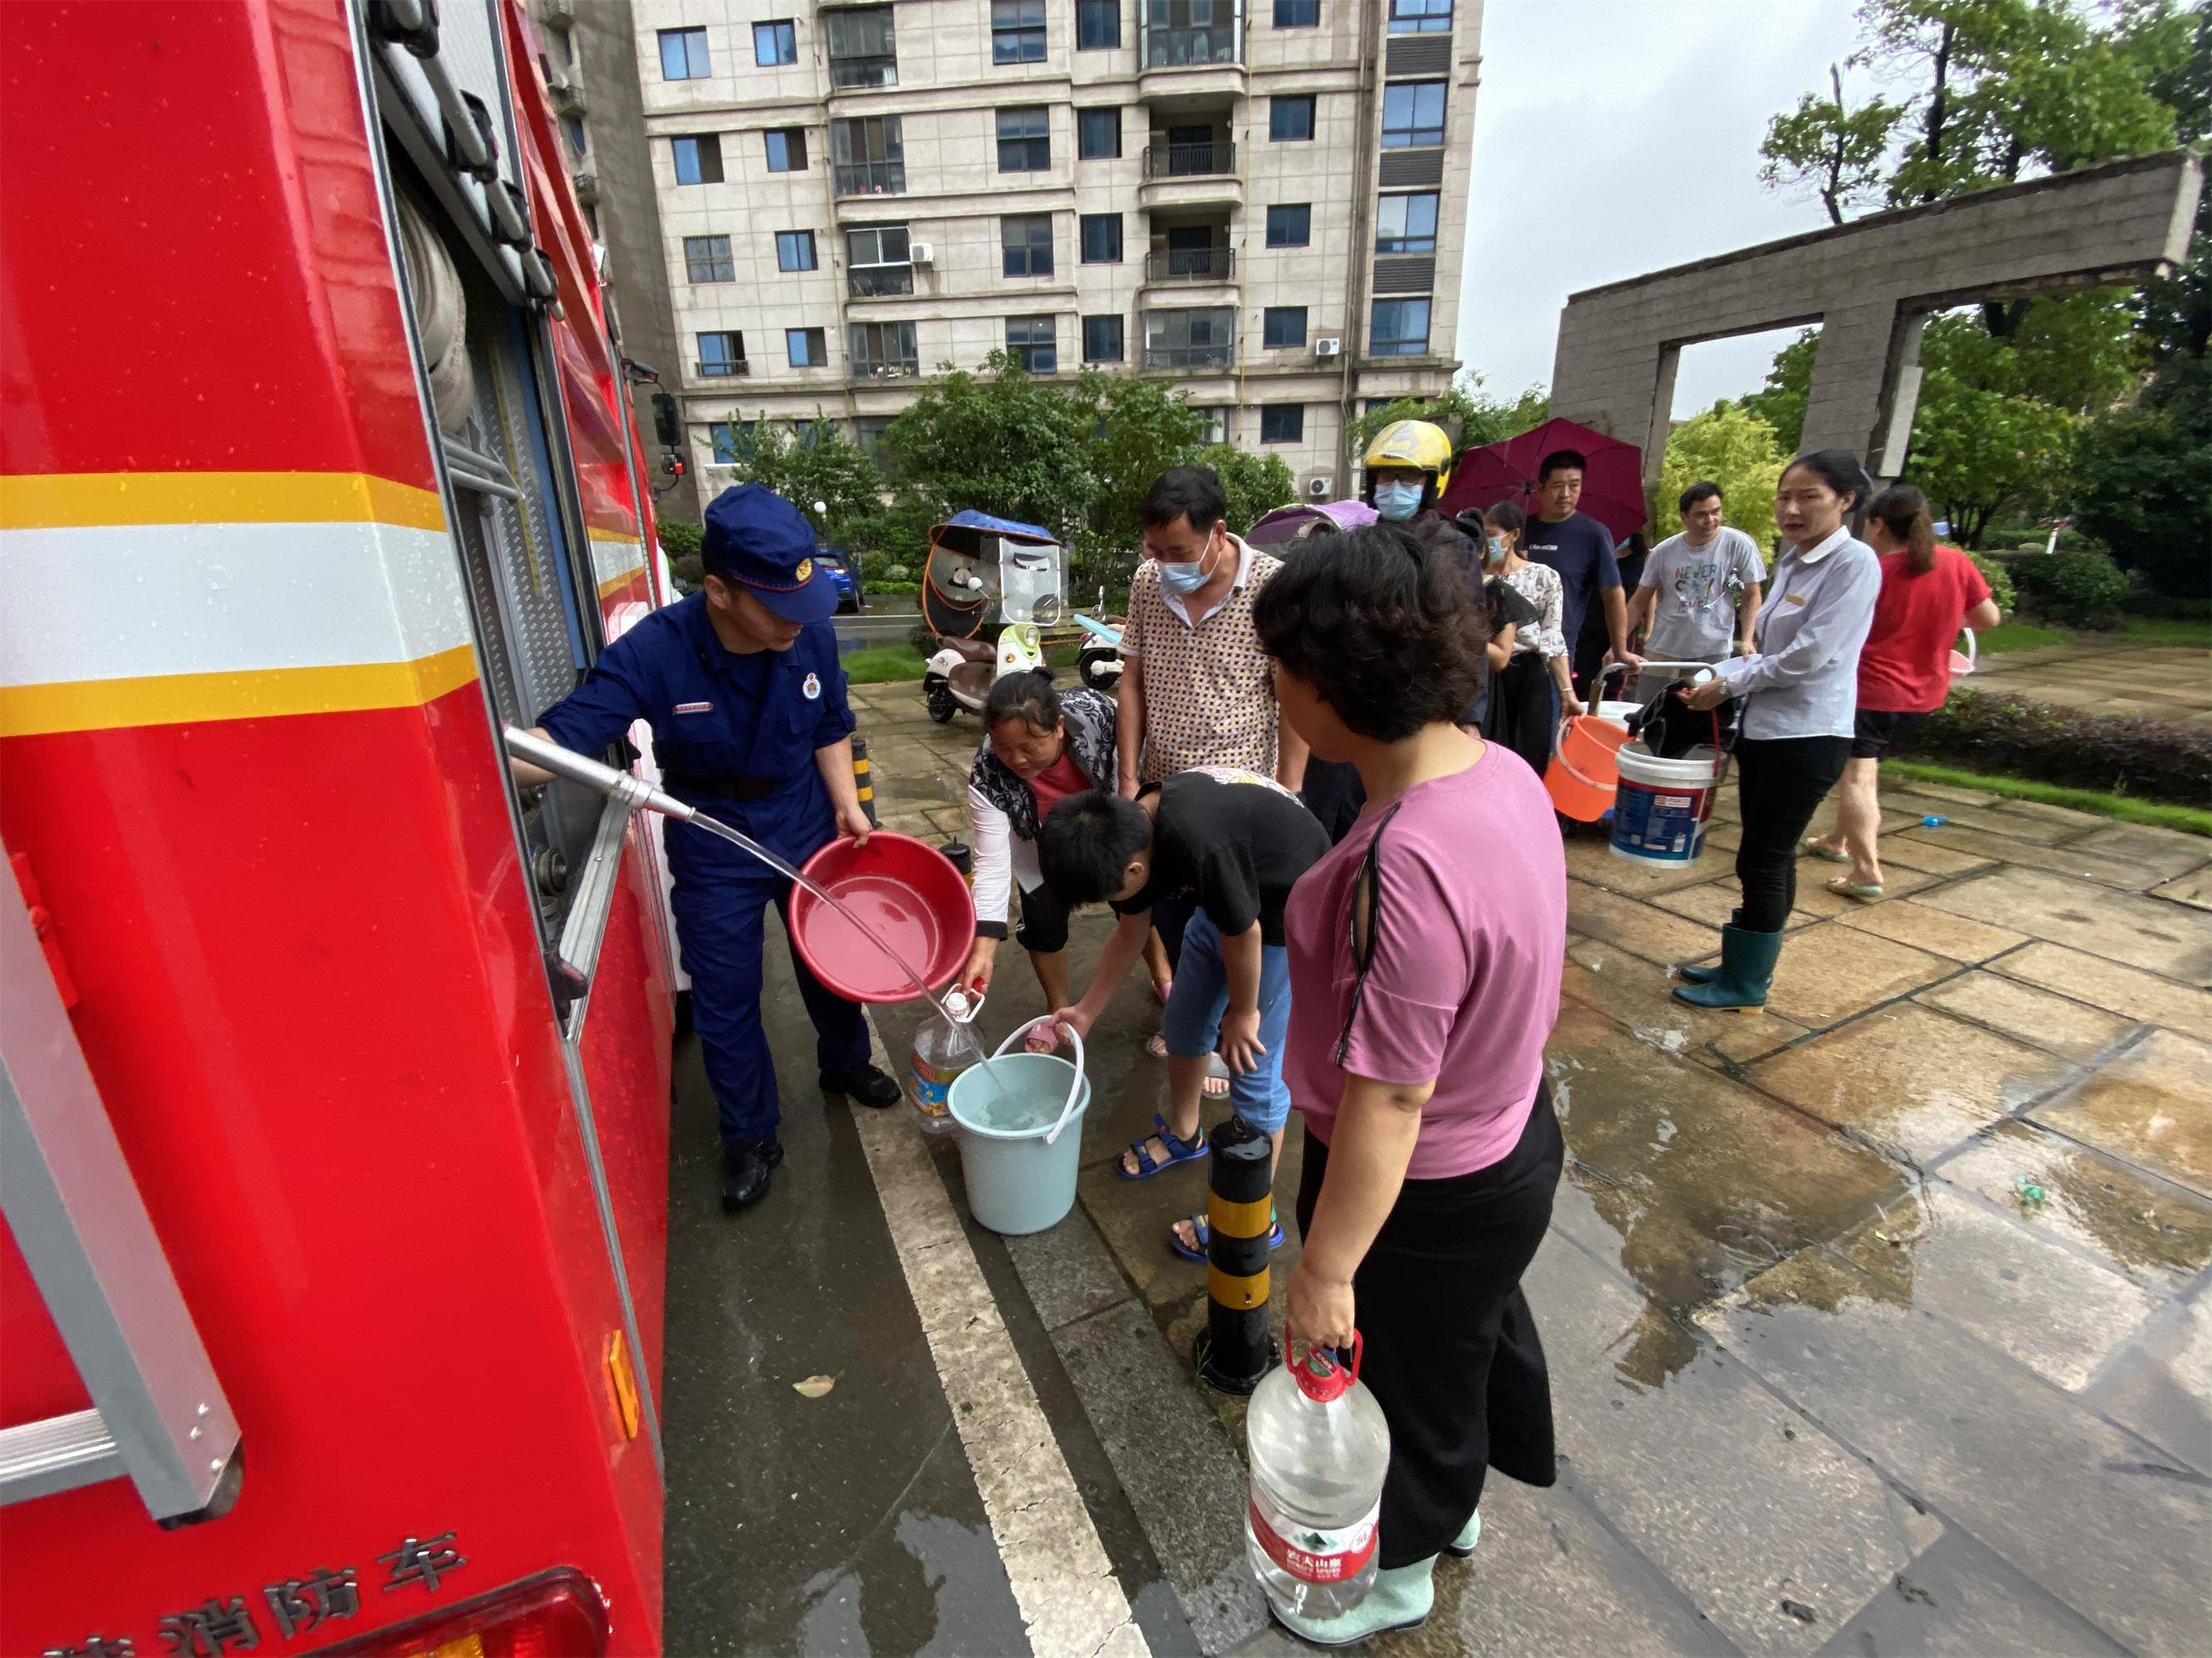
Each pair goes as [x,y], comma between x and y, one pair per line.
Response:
[1522,712]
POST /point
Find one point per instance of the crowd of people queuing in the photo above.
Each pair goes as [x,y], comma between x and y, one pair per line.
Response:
[1317,789]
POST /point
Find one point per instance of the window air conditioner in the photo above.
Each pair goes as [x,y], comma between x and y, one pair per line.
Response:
[1327,348]
[1319,488]
[921,254]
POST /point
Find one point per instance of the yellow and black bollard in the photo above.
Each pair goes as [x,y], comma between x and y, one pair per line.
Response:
[1235,1350]
[863,778]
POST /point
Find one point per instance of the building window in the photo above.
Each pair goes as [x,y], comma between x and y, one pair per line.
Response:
[869,432]
[1190,339]
[1405,224]
[1286,327]
[721,355]
[1181,34]
[683,55]
[1101,238]
[775,44]
[572,129]
[1420,16]
[786,150]
[1026,239]
[698,160]
[1283,423]
[1289,224]
[795,250]
[863,47]
[1400,329]
[1217,424]
[1032,342]
[1017,31]
[1097,25]
[706,260]
[1097,135]
[869,156]
[806,347]
[1299,14]
[729,439]
[878,259]
[1025,139]
[1413,115]
[1101,339]
[882,350]
[1290,120]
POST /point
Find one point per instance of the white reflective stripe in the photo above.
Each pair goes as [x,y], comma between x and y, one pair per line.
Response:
[614,561]
[131,601]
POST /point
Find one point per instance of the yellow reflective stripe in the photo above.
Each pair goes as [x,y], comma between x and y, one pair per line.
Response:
[1239,1220]
[263,693]
[1237,1292]
[77,500]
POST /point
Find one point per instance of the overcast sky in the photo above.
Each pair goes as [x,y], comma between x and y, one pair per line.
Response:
[1613,138]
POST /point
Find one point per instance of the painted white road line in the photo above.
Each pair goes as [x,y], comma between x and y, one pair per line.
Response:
[1071,1603]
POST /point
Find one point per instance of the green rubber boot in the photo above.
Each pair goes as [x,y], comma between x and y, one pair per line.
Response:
[1747,968]
[1401,1599]
[1696,975]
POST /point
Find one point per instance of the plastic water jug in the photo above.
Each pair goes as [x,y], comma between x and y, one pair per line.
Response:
[940,1054]
[1319,1448]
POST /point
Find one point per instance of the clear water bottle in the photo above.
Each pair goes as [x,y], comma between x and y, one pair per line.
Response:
[941,1052]
[1319,1448]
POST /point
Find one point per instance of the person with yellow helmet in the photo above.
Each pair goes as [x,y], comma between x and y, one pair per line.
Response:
[1407,464]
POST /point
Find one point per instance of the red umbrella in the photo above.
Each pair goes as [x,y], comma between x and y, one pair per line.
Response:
[1612,483]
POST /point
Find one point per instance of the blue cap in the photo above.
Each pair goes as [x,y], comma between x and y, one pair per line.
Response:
[757,538]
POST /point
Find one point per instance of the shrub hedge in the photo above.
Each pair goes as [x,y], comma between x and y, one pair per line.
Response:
[678,537]
[2079,586]
[2118,754]
[2000,580]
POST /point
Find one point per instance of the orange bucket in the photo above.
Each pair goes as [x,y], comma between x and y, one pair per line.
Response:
[1574,794]
[1591,745]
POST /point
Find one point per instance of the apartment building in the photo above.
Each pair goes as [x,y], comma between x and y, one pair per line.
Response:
[589,51]
[1261,202]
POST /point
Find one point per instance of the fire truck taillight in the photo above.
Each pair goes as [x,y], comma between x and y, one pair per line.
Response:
[555,1614]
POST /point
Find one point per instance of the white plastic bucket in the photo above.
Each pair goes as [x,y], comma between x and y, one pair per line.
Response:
[1017,1158]
[1660,810]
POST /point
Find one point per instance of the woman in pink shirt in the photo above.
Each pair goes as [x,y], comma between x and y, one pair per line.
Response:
[1425,955]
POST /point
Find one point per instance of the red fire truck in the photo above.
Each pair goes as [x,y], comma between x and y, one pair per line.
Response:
[336,1080]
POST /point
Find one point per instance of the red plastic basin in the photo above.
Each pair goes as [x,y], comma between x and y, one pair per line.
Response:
[904,890]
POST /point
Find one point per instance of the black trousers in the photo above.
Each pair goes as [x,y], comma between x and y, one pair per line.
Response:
[1451,1349]
[1333,793]
[1780,783]
[1519,713]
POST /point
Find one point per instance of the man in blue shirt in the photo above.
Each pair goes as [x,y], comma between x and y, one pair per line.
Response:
[741,684]
[1580,548]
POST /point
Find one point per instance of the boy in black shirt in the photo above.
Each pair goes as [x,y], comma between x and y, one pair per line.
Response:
[1232,844]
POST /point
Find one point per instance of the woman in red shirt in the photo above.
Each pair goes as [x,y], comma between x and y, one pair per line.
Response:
[1927,593]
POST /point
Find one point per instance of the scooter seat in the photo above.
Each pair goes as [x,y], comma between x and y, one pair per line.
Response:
[976,650]
[970,680]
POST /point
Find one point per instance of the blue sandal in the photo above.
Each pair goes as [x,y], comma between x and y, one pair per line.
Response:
[1179,1150]
[1206,1237]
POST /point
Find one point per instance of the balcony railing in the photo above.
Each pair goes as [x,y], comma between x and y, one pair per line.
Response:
[873,281]
[1190,356]
[885,368]
[872,178]
[1166,161]
[722,369]
[1190,264]
[1192,48]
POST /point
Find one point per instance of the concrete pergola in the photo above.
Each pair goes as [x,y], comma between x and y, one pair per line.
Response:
[1871,285]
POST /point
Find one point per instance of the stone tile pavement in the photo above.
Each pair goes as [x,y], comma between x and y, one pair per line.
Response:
[2165,682]
[1879,1320]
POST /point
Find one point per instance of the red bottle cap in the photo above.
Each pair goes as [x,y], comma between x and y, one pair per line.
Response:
[1320,1377]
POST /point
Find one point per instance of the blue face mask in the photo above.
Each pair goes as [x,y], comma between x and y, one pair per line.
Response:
[1183,580]
[1397,501]
[1497,550]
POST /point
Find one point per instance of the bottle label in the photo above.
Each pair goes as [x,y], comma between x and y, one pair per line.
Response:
[932,1089]
[1308,1554]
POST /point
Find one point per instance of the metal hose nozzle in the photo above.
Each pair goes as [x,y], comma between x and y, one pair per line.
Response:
[633,792]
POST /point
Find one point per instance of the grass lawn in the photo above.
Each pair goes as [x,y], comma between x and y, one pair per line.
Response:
[2135,630]
[884,665]
[2123,808]
[2168,630]
[2018,636]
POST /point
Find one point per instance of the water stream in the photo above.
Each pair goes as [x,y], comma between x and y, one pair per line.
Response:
[962,1034]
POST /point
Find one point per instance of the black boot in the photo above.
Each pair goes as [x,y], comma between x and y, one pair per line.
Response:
[863,1085]
[746,1165]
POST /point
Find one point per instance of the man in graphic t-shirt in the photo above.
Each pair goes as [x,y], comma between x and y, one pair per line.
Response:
[1698,597]
[1580,548]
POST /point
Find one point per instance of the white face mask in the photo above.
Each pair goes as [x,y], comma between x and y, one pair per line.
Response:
[1397,501]
[1497,550]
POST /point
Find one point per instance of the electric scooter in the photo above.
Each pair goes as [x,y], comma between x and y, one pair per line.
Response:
[973,558]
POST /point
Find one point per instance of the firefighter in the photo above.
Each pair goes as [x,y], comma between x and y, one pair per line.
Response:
[741,684]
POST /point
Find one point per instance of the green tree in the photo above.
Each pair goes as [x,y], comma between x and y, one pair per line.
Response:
[2142,480]
[1826,147]
[1139,429]
[997,441]
[1781,402]
[1733,447]
[815,467]
[1981,451]
[1256,484]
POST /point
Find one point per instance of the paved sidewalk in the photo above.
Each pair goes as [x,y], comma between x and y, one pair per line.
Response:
[2167,682]
[1878,1320]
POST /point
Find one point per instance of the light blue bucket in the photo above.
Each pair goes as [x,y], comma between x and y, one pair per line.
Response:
[1019,1152]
